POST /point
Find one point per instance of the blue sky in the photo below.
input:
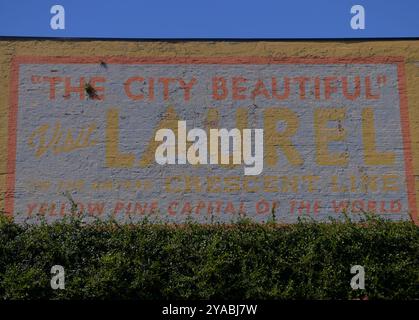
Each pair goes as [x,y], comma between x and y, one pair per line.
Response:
[210,18]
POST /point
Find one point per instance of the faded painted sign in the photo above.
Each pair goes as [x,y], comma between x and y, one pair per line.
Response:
[82,138]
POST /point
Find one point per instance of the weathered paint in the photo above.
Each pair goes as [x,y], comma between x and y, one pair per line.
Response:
[340,146]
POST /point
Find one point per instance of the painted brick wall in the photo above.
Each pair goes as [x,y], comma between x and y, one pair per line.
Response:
[340,120]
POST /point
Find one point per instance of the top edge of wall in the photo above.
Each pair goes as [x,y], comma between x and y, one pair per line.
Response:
[30,38]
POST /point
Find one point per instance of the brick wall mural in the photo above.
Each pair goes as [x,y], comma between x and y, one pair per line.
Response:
[83,126]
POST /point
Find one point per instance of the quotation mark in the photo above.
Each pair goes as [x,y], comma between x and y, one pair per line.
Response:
[36,79]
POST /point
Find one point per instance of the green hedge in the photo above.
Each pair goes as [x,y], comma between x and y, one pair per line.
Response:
[242,261]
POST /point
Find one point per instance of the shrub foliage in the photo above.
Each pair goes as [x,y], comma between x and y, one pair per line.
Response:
[308,260]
